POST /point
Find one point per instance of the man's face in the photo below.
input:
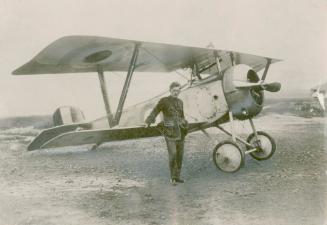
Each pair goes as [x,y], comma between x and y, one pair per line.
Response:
[174,92]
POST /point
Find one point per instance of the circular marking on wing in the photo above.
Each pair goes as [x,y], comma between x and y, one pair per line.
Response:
[97,56]
[92,55]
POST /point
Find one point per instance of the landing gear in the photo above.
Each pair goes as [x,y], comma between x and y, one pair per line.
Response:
[229,157]
[264,144]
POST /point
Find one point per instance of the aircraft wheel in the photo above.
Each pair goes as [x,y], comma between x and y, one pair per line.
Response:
[265,145]
[228,157]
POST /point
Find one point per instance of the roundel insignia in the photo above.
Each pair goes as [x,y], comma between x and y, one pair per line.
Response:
[97,56]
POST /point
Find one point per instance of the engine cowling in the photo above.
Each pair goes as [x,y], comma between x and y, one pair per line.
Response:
[244,102]
[67,115]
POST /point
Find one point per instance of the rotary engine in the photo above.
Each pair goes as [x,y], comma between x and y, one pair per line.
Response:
[244,91]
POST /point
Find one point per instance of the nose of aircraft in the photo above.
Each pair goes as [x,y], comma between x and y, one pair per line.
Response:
[244,91]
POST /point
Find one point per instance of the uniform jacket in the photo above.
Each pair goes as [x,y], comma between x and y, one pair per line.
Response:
[174,124]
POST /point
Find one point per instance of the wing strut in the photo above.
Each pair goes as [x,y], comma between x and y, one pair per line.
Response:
[126,85]
[195,71]
[232,58]
[215,53]
[266,69]
[105,97]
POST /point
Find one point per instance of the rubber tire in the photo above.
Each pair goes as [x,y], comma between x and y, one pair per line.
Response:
[272,142]
[238,149]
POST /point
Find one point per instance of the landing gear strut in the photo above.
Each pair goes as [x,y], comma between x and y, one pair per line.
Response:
[228,156]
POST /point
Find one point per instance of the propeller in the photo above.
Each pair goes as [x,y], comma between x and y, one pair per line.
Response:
[271,87]
[244,90]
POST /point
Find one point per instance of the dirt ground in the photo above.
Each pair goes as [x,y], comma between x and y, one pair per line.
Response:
[127,182]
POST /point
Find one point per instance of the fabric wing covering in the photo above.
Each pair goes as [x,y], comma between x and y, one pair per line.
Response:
[79,54]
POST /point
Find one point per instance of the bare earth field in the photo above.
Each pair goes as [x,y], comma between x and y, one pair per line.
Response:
[127,182]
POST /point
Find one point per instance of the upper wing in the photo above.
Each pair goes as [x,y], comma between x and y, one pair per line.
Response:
[77,54]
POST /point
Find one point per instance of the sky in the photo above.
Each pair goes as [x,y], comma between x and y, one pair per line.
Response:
[294,31]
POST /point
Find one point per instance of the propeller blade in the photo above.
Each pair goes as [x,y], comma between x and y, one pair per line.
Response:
[272,87]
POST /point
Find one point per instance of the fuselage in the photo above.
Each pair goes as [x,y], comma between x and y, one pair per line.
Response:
[204,101]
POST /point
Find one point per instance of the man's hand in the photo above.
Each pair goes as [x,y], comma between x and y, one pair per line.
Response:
[147,125]
[148,121]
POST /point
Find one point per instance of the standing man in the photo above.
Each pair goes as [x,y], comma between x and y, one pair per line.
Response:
[174,129]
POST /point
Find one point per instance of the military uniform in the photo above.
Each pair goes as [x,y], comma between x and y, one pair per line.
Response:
[174,129]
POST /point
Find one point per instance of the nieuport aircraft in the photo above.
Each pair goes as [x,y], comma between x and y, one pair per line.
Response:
[222,86]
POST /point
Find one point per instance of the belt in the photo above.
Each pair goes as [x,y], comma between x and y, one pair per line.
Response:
[169,123]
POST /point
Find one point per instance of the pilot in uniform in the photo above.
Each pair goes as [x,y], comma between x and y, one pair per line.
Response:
[174,129]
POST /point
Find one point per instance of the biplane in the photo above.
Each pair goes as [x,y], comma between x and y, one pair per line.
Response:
[222,86]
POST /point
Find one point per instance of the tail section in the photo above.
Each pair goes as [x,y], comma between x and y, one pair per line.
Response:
[67,115]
